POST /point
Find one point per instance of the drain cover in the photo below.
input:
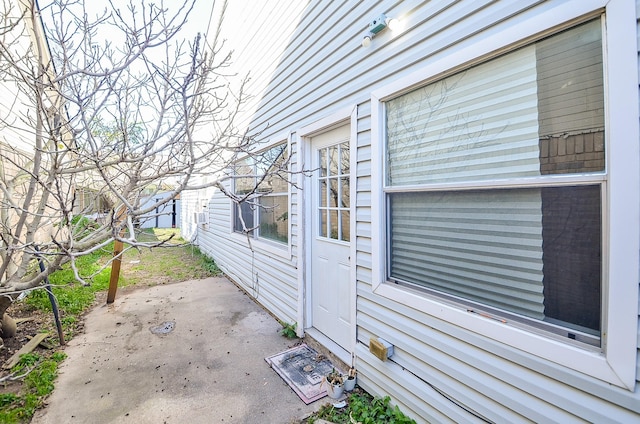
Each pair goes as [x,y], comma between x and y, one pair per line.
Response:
[164,328]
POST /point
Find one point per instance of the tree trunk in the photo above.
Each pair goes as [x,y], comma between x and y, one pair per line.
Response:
[7,324]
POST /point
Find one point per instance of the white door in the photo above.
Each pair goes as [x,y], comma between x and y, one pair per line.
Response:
[330,235]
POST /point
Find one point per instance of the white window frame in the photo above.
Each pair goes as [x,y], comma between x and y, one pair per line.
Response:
[615,363]
[261,243]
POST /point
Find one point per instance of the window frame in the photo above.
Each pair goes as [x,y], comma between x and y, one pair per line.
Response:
[615,362]
[273,246]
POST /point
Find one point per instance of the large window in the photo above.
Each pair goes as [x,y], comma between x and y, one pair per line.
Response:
[508,208]
[495,183]
[262,182]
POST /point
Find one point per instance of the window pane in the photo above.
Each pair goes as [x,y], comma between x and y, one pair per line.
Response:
[333,192]
[272,164]
[345,225]
[571,101]
[247,216]
[533,252]
[344,158]
[537,110]
[333,160]
[333,224]
[323,223]
[244,185]
[344,191]
[274,218]
[323,193]
[571,229]
[322,162]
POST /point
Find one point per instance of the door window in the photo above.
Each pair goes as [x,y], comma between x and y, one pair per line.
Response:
[333,182]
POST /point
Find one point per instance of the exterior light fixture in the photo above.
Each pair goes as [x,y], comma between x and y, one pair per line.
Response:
[375,26]
[366,40]
[393,24]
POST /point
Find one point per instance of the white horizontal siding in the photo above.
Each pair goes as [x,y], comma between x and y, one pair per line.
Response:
[638,47]
[269,278]
[498,383]
[440,373]
[450,360]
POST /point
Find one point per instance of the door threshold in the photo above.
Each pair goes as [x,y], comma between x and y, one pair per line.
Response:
[334,348]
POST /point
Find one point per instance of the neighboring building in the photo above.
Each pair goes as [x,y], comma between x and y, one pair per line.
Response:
[24,40]
[471,196]
[165,215]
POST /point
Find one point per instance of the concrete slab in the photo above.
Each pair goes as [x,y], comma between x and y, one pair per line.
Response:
[190,352]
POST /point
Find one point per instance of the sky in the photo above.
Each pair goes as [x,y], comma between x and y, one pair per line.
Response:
[198,19]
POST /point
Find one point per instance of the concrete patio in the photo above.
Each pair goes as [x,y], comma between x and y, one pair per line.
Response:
[191,352]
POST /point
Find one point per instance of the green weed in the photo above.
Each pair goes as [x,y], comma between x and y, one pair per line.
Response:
[204,261]
[362,408]
[38,383]
[288,330]
[73,298]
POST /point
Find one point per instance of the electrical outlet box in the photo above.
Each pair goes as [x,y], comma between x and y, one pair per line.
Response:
[380,348]
[378,24]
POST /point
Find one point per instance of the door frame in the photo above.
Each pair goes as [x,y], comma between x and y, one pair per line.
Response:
[345,116]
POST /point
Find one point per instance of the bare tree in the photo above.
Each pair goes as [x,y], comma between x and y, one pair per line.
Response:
[103,109]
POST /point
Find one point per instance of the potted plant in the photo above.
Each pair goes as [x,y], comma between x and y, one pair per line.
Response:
[335,384]
[350,381]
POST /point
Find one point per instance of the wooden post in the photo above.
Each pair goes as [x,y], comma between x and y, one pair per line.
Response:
[115,271]
[117,260]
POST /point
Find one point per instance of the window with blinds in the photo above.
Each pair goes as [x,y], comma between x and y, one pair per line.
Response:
[494,185]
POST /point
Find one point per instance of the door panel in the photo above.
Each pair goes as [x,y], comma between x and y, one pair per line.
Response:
[330,235]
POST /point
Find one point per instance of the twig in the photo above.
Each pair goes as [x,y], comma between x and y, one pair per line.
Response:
[13,377]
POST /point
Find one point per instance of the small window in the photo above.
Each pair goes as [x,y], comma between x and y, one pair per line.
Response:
[334,203]
[494,185]
[264,210]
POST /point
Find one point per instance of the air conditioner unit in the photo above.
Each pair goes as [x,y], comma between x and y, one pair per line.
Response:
[201,218]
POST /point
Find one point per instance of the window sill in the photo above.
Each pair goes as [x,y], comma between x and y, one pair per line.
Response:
[585,359]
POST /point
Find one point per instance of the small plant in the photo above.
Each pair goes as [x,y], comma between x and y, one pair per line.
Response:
[334,377]
[206,262]
[352,373]
[27,360]
[38,383]
[362,408]
[288,330]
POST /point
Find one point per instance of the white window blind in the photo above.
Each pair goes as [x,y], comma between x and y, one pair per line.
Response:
[531,113]
[475,125]
[480,245]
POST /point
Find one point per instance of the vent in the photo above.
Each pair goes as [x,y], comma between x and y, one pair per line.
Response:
[201,218]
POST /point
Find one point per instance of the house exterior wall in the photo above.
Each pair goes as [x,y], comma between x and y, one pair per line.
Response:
[17,120]
[440,372]
[638,46]
[189,206]
[266,270]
